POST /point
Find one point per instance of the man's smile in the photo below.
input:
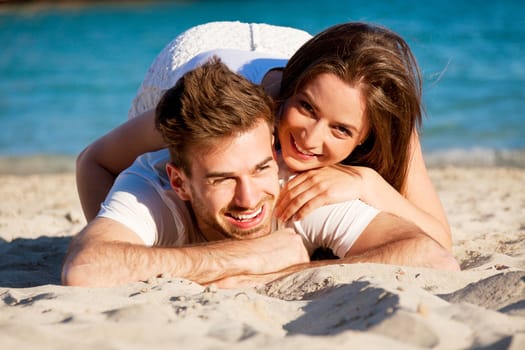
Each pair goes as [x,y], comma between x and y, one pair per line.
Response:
[247,219]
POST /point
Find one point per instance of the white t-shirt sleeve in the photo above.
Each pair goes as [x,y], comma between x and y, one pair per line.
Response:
[135,203]
[335,226]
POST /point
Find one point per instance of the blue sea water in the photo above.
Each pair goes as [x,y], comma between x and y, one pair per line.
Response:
[69,72]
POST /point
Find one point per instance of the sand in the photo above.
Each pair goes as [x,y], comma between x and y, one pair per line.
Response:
[334,307]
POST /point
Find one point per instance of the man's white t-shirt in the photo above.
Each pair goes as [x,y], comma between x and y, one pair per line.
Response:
[143,200]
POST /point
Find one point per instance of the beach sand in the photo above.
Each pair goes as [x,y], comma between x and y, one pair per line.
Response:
[336,307]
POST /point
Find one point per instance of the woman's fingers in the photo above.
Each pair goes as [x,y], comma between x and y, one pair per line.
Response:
[313,189]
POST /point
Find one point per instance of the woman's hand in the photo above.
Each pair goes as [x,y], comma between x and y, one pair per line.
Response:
[315,188]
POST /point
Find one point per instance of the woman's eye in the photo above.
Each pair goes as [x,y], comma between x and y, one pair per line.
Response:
[305,106]
[341,130]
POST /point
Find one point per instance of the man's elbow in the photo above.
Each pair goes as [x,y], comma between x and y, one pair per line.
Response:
[441,258]
[448,262]
[77,271]
[72,278]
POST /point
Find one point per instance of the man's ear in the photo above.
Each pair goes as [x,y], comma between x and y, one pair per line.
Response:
[177,181]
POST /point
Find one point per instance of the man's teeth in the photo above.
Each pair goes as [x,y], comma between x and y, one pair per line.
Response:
[302,151]
[241,217]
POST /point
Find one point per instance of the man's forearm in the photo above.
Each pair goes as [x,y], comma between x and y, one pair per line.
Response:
[114,263]
[99,262]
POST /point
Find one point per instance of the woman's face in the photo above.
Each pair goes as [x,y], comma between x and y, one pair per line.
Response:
[322,124]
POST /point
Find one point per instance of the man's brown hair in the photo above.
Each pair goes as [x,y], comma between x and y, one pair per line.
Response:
[208,103]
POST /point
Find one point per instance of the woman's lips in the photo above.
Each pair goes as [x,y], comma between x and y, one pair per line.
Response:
[300,152]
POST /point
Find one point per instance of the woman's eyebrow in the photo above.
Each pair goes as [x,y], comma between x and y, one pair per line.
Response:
[316,108]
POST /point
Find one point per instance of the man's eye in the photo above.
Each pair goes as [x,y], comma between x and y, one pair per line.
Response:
[263,168]
[221,181]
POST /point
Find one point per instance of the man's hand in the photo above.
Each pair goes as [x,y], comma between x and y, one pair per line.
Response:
[277,251]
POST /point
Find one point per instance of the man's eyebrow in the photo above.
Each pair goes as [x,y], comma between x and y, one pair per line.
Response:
[232,174]
[264,163]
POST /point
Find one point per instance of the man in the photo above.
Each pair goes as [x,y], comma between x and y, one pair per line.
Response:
[209,217]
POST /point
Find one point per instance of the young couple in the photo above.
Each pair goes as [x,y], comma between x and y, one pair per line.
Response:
[347,109]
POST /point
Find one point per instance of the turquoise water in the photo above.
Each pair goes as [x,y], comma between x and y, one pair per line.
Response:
[68,73]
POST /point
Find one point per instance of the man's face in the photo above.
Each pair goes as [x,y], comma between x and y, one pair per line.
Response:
[233,185]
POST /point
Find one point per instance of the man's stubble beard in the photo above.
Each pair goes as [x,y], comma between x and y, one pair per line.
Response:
[212,229]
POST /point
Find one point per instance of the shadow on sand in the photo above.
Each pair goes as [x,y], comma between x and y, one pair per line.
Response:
[31,262]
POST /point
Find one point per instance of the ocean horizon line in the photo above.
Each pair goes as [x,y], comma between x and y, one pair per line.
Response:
[30,164]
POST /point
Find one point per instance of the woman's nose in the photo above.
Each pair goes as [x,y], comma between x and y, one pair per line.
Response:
[313,136]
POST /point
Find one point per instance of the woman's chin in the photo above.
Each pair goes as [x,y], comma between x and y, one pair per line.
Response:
[298,165]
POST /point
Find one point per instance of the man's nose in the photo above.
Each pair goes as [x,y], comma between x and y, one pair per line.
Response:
[247,194]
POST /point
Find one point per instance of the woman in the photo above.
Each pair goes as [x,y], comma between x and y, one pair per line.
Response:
[349,107]
[379,73]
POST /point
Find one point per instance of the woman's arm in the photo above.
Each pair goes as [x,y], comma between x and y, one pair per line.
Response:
[419,202]
[99,163]
[420,192]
